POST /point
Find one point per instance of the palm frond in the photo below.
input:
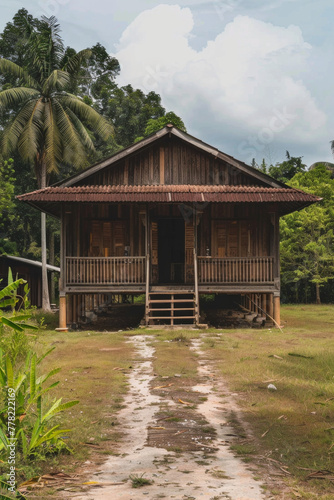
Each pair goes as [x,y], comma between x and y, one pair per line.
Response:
[15,70]
[74,64]
[57,80]
[82,131]
[46,48]
[29,143]
[52,148]
[15,128]
[17,95]
[87,114]
[73,148]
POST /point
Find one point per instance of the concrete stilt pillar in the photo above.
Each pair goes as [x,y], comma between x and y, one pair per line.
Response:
[62,314]
[277,310]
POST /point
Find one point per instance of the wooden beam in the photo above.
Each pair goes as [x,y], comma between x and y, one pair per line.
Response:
[126,172]
[147,252]
[62,314]
[162,165]
[62,280]
[271,305]
[277,310]
[195,268]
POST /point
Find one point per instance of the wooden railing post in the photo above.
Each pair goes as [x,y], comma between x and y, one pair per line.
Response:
[196,270]
[236,269]
[147,249]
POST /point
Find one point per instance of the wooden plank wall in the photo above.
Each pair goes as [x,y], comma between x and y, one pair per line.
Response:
[170,161]
[103,230]
[227,232]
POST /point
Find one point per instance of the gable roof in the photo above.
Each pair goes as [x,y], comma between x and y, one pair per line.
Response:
[170,130]
[73,189]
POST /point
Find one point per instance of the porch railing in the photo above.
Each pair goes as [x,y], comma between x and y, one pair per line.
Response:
[105,270]
[235,270]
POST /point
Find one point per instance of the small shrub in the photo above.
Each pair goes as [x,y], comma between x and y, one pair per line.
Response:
[139,481]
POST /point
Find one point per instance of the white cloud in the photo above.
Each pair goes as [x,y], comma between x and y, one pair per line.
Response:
[246,83]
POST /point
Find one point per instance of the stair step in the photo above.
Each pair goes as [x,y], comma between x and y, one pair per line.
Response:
[161,301]
[170,309]
[171,317]
[178,292]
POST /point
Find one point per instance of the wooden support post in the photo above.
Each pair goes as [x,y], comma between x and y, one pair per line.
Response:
[277,310]
[147,252]
[62,281]
[62,314]
[271,305]
[264,304]
[196,310]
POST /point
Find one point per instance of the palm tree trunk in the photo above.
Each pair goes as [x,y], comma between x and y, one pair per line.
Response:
[45,286]
[52,262]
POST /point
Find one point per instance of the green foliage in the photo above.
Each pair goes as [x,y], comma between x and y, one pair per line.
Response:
[33,432]
[287,169]
[153,125]
[307,236]
[5,494]
[138,481]
[129,110]
[49,124]
[62,91]
[13,339]
[7,180]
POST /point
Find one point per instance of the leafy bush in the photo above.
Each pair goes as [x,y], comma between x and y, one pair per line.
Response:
[33,432]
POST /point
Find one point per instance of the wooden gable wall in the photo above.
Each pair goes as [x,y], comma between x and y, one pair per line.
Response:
[170,161]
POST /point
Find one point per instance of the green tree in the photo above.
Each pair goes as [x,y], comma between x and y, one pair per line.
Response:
[128,109]
[6,193]
[285,170]
[307,236]
[48,126]
[153,125]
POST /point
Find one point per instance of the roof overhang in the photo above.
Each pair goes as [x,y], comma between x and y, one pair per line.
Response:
[51,199]
[30,262]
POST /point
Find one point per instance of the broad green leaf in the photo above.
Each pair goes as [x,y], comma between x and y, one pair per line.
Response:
[9,372]
[11,324]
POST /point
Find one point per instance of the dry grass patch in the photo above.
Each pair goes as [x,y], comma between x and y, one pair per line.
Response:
[94,368]
[293,424]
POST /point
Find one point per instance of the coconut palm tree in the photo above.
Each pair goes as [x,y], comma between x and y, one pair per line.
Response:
[48,125]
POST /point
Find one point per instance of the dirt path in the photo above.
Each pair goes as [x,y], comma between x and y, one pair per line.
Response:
[208,469]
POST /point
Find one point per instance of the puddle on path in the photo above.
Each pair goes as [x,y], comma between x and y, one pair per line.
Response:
[218,475]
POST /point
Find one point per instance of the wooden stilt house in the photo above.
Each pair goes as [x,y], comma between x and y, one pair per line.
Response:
[172,218]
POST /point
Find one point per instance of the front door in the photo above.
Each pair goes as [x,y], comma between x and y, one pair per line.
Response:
[171,250]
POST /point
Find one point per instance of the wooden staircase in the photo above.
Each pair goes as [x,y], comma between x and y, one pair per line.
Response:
[171,306]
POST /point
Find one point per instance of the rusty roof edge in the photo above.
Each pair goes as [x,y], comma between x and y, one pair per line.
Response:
[194,141]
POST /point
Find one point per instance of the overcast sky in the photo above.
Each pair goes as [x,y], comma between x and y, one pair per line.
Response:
[251,77]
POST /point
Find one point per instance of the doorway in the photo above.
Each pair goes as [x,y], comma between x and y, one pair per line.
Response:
[171,250]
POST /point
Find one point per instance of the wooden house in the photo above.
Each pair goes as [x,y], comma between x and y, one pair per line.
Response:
[172,218]
[29,270]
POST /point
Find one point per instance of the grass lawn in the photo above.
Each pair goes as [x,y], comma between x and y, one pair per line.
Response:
[293,425]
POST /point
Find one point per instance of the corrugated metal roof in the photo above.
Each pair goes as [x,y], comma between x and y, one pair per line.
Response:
[31,262]
[169,194]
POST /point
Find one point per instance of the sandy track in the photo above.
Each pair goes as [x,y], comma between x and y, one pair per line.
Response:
[212,472]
